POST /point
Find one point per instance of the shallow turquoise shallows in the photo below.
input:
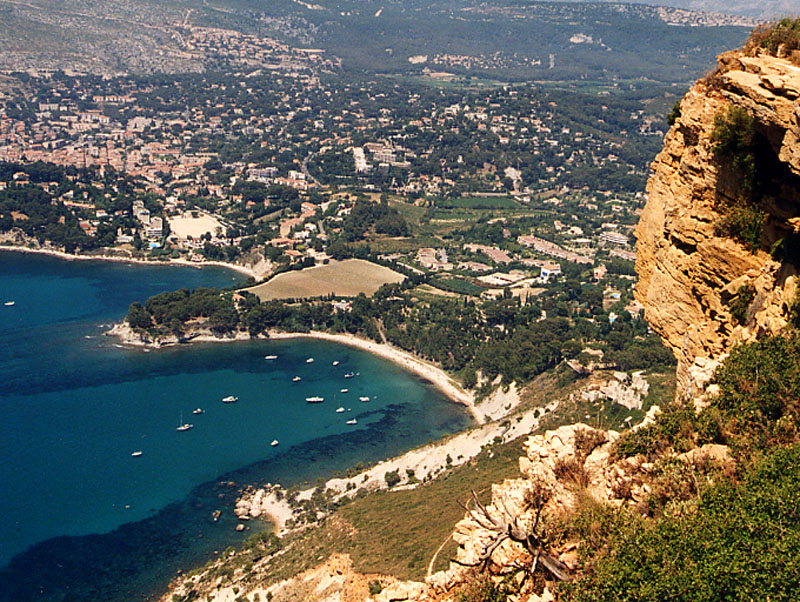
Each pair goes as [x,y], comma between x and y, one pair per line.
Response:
[80,515]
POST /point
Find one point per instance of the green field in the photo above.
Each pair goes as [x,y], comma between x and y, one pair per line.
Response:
[345,278]
[495,202]
[457,285]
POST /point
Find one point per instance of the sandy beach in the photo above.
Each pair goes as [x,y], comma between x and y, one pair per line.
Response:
[133,260]
[438,377]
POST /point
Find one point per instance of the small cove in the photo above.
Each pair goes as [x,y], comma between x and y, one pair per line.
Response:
[77,405]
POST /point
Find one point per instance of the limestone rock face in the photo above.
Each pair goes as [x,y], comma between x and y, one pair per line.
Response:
[567,462]
[688,274]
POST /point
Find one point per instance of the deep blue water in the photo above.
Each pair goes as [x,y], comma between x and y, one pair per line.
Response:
[80,518]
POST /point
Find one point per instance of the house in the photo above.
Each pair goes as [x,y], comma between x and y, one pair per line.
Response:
[549,270]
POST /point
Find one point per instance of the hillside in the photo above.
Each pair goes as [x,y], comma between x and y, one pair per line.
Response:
[548,42]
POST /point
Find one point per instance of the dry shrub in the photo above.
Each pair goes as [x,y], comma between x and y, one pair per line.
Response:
[538,495]
[586,440]
[622,489]
[571,470]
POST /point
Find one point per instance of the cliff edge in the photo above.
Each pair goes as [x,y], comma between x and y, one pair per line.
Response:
[690,273]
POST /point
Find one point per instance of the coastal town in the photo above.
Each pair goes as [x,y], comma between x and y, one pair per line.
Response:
[282,165]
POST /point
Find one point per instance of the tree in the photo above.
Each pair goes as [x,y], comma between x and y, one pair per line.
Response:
[138,316]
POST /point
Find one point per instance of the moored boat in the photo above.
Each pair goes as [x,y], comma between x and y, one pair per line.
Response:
[363,398]
[296,379]
[270,357]
[136,454]
[353,421]
[197,411]
[274,443]
[230,399]
[310,360]
[10,303]
[315,399]
[349,375]
[339,410]
[335,363]
[343,390]
[183,426]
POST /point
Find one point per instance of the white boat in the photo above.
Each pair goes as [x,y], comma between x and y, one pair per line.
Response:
[339,410]
[296,379]
[136,454]
[183,426]
[363,398]
[270,357]
[10,303]
[349,375]
[335,363]
[274,443]
[230,399]
[197,411]
[315,399]
[343,390]
[310,360]
[353,421]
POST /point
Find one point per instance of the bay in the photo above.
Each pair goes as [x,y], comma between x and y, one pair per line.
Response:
[76,405]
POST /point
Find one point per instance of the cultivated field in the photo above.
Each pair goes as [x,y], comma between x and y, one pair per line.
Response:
[345,278]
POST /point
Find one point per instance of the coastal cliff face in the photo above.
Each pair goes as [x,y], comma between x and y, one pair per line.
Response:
[688,272]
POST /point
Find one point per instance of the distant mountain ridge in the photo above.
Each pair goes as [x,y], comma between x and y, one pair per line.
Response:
[507,40]
[762,9]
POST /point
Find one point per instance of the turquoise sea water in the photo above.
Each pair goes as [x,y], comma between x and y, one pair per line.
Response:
[80,518]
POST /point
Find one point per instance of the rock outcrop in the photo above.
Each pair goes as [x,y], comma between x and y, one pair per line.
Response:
[563,465]
[688,273]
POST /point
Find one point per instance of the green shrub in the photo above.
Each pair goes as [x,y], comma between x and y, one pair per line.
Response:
[733,139]
[772,36]
[375,587]
[744,223]
[760,392]
[392,478]
[741,303]
[675,428]
[744,539]
[674,114]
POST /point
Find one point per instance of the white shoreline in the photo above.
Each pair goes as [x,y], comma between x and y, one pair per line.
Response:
[425,463]
[133,260]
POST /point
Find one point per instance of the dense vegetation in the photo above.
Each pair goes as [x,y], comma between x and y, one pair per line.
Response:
[464,336]
[718,533]
[734,145]
[378,216]
[778,38]
[744,538]
[35,204]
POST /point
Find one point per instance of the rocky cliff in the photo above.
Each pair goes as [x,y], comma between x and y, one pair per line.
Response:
[689,273]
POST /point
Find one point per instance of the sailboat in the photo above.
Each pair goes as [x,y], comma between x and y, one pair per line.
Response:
[183,426]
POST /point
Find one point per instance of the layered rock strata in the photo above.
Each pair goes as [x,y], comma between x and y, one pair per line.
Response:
[688,272]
